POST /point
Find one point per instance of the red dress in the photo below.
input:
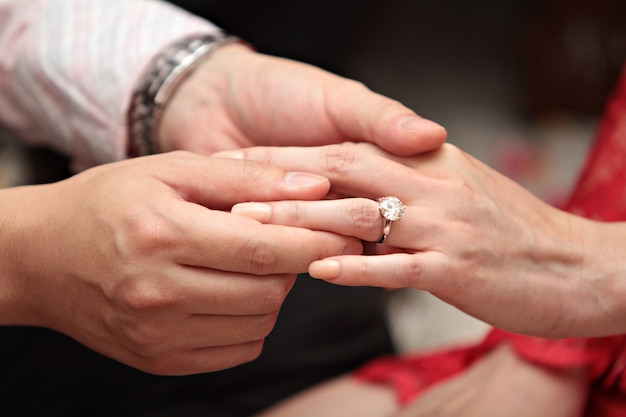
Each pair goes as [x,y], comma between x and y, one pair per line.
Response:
[599,194]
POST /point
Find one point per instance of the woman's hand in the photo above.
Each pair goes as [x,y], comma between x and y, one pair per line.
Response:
[469,235]
[140,261]
[239,98]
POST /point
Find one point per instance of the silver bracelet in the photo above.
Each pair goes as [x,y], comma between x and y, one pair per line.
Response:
[157,85]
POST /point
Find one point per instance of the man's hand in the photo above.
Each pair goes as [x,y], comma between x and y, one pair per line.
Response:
[140,261]
[239,98]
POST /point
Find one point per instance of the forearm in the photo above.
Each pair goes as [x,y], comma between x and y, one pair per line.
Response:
[604,277]
[575,273]
[68,67]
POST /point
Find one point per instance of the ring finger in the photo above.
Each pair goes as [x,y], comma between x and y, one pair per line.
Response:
[358,217]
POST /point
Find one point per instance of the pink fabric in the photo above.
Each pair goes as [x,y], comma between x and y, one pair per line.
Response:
[67,69]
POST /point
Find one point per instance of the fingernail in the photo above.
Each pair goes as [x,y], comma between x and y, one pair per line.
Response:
[324,269]
[303,179]
[229,155]
[413,123]
[258,211]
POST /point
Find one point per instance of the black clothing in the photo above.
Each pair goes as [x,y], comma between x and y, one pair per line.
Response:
[317,32]
[322,331]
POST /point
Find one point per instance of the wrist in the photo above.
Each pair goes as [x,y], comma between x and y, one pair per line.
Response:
[590,277]
[605,276]
[201,113]
[557,273]
[159,83]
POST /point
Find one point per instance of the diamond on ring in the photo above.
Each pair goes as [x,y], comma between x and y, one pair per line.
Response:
[392,209]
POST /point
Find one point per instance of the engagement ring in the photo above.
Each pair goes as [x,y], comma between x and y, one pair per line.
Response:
[392,209]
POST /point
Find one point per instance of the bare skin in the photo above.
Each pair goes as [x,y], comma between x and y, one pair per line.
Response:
[476,240]
[140,261]
[340,397]
[500,385]
[504,385]
[469,235]
[239,98]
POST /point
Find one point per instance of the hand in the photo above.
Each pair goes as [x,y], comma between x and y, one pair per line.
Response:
[239,98]
[138,261]
[469,235]
[501,384]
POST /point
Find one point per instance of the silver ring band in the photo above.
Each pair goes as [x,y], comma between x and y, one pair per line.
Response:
[392,209]
[386,231]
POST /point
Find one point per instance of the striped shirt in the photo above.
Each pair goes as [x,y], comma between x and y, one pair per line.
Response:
[68,68]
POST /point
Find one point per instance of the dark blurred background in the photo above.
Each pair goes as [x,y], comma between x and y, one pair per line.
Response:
[565,53]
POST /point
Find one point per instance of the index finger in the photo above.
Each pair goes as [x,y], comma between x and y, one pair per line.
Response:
[220,183]
[228,242]
[353,169]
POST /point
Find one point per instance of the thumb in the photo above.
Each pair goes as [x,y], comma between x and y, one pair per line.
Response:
[362,115]
[220,183]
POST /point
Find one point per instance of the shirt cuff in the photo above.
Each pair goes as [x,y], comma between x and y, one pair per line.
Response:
[70,67]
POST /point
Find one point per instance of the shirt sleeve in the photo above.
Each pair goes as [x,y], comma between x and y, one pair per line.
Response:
[68,68]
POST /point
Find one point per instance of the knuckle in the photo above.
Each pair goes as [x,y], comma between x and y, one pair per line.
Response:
[453,155]
[268,297]
[253,351]
[340,159]
[174,162]
[297,213]
[265,324]
[141,294]
[362,218]
[414,272]
[262,154]
[462,183]
[451,149]
[146,339]
[261,257]
[273,298]
[253,172]
[145,233]
[264,259]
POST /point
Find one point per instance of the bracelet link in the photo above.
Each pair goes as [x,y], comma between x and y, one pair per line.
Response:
[157,85]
